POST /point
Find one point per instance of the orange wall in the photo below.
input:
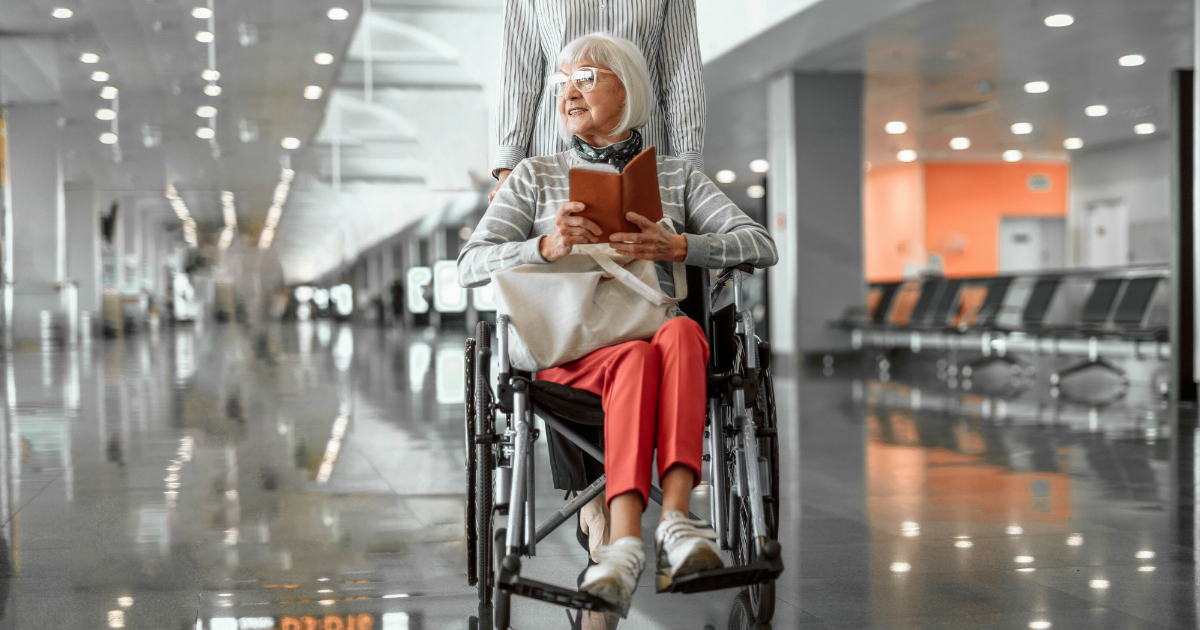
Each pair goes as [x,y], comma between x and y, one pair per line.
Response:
[964,204]
[893,215]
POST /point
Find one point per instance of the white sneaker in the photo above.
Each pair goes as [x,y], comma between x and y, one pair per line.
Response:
[685,546]
[615,576]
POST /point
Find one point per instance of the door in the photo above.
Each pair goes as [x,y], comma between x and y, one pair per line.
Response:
[1105,234]
[1031,244]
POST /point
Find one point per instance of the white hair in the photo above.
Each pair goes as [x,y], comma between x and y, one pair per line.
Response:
[626,61]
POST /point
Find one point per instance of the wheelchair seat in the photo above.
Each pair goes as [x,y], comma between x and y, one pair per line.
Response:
[577,405]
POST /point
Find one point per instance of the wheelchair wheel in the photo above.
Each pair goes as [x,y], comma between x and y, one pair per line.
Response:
[469,441]
[761,596]
[484,463]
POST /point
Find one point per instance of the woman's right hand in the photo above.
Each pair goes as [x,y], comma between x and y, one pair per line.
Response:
[569,231]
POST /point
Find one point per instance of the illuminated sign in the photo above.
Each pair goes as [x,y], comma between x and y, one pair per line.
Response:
[328,622]
[448,295]
[484,297]
[414,292]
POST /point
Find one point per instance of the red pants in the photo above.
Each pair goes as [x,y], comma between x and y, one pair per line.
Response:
[654,394]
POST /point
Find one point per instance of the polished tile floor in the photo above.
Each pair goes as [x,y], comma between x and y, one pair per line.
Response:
[310,476]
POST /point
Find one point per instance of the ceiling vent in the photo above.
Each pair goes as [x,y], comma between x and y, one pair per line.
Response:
[962,108]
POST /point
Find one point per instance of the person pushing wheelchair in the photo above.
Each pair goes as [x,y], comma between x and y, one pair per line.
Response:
[653,390]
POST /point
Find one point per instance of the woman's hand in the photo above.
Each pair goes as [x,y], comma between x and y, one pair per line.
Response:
[654,242]
[569,231]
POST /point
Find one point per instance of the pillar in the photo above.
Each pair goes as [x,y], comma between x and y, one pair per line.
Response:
[83,247]
[814,204]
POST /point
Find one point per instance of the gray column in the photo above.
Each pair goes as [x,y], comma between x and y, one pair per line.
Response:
[815,148]
[83,247]
[38,247]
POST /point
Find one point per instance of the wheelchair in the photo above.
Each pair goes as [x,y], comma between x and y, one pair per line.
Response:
[742,457]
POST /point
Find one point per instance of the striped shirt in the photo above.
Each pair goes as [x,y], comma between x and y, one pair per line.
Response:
[536,30]
[718,233]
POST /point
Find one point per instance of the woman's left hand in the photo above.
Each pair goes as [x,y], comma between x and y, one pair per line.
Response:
[654,242]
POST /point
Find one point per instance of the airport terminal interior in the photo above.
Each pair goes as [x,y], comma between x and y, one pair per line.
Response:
[244,389]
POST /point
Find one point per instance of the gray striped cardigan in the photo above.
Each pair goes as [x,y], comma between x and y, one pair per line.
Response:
[718,233]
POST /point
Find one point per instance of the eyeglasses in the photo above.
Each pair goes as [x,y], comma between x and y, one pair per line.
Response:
[584,79]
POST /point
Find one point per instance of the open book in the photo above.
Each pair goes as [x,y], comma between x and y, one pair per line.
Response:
[608,195]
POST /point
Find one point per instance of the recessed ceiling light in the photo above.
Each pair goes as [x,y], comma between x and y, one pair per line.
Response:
[1023,559]
[756,192]
[759,166]
[1096,110]
[1144,128]
[1040,624]
[212,90]
[204,37]
[960,143]
[1014,530]
[106,114]
[313,92]
[1130,61]
[1022,128]
[338,13]
[206,111]
[1026,570]
[99,76]
[1059,20]
[1037,87]
[108,137]
[323,59]
[1146,569]
[1012,155]
[204,133]
[125,601]
[202,13]
[726,176]
[290,143]
[901,567]
[963,544]
[1072,144]
[89,58]
[109,92]
[907,155]
[896,127]
[1144,555]
[62,13]
[1074,540]
[1098,583]
[210,75]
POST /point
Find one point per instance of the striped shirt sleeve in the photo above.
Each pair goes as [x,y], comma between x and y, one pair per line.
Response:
[718,233]
[682,83]
[522,74]
[502,238]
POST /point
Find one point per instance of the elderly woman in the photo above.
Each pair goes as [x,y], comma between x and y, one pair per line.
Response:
[653,391]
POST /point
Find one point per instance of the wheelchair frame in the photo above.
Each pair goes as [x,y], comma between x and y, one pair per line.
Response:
[729,418]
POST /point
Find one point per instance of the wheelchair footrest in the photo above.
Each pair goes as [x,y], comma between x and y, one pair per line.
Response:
[764,570]
[549,593]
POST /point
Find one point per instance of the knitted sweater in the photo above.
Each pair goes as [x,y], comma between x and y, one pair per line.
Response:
[718,233]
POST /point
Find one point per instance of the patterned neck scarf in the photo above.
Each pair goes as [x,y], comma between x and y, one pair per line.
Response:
[618,155]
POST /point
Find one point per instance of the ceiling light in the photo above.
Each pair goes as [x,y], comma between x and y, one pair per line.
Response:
[105,114]
[1014,530]
[338,13]
[756,192]
[1026,570]
[125,601]
[1023,559]
[1039,624]
[204,133]
[94,58]
[1037,87]
[896,127]
[1012,155]
[210,75]
[1096,110]
[1059,20]
[1143,128]
[960,143]
[108,137]
[1098,584]
[1022,128]
[907,155]
[100,76]
[202,13]
[312,92]
[290,143]
[963,544]
[204,37]
[108,92]
[1130,61]
[206,111]
[1145,555]
[1072,144]
[759,166]
[323,59]
[62,13]
[1146,569]
[212,90]
[726,176]
[901,567]
[1074,540]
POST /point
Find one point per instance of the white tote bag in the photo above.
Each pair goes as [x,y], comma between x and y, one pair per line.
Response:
[591,298]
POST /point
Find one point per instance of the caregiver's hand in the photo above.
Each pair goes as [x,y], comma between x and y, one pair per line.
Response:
[654,242]
[569,231]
